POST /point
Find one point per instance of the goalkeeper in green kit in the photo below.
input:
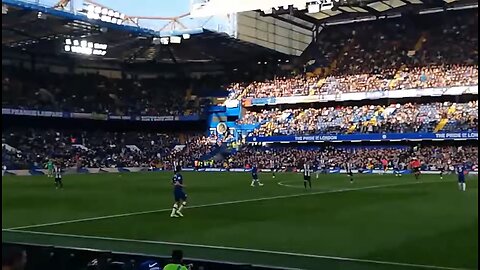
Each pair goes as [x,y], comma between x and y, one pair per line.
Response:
[50,168]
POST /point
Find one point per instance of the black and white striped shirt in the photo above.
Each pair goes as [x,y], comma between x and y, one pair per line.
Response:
[349,166]
[306,170]
[322,163]
[58,172]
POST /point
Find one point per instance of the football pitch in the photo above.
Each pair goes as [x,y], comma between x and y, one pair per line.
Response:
[377,222]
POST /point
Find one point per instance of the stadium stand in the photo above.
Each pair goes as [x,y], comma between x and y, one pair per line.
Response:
[32,148]
[395,118]
[94,93]
[396,56]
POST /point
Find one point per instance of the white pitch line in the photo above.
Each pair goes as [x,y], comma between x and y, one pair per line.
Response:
[237,249]
[212,204]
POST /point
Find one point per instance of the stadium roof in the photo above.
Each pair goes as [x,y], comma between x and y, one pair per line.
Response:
[364,10]
[43,30]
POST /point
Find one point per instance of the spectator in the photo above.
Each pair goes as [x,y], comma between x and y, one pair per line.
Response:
[177,262]
[13,258]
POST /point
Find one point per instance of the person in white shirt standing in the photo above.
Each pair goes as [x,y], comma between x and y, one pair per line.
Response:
[307,171]
[57,171]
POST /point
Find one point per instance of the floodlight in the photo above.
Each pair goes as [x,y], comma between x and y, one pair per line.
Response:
[176,40]
[67,48]
[68,41]
[164,40]
[87,51]
[105,18]
[313,8]
[186,36]
[91,15]
[327,5]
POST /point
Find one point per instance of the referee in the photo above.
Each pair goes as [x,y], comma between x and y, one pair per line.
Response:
[307,171]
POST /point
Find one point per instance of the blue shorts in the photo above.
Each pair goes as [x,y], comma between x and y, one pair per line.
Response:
[255,176]
[180,196]
[461,179]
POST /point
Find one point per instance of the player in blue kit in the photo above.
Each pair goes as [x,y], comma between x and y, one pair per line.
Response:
[461,171]
[178,193]
[255,177]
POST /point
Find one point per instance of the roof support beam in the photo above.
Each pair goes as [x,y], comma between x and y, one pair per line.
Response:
[283,19]
[304,17]
[371,10]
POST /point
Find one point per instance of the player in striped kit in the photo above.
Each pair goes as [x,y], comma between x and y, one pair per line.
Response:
[321,167]
[349,167]
[307,172]
[57,172]
[273,168]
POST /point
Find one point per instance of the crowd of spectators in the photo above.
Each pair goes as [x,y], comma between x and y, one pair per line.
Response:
[384,55]
[32,148]
[27,149]
[396,118]
[278,87]
[431,157]
[93,93]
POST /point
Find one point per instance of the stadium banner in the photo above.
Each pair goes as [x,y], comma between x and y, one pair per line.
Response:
[211,170]
[157,118]
[239,170]
[8,111]
[393,94]
[389,171]
[358,137]
[98,116]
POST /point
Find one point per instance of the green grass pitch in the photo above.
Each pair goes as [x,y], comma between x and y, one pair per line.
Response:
[378,222]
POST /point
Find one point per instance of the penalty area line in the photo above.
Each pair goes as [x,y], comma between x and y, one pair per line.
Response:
[214,204]
[314,256]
